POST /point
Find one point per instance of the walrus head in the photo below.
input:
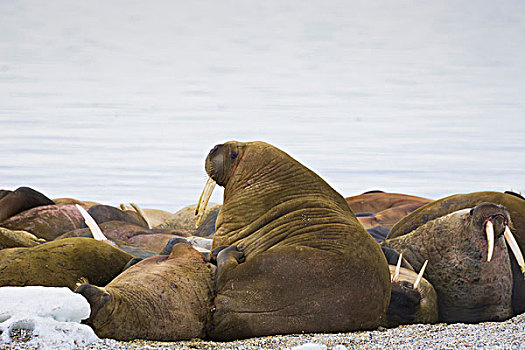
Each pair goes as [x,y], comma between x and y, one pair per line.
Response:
[469,265]
[222,160]
[220,165]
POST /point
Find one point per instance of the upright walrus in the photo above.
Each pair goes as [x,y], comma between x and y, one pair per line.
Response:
[297,260]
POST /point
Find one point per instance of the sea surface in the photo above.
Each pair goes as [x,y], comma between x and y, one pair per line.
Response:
[120,101]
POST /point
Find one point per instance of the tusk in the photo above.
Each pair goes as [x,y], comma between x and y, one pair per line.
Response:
[489,230]
[203,200]
[395,277]
[92,224]
[509,237]
[418,279]
[141,213]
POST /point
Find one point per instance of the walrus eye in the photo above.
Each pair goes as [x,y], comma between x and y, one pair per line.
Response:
[234,155]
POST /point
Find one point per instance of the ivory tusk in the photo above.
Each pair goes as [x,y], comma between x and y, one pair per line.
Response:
[395,277]
[509,237]
[203,200]
[91,223]
[141,213]
[489,230]
[420,275]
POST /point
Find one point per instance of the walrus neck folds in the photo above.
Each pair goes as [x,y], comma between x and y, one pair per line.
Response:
[267,185]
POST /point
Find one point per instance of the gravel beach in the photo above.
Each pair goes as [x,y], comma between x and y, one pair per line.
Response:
[488,335]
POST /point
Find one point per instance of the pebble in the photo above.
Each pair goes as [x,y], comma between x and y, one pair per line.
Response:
[509,334]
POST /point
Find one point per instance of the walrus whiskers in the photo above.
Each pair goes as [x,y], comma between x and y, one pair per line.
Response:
[395,277]
[141,213]
[489,230]
[92,224]
[420,275]
[204,199]
[509,237]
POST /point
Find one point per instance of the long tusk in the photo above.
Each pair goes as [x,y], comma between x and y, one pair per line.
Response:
[141,213]
[91,223]
[395,277]
[509,237]
[418,279]
[489,230]
[203,200]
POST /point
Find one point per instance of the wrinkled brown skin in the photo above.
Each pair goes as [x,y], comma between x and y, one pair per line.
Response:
[15,239]
[23,198]
[309,265]
[160,298]
[47,222]
[469,288]
[409,305]
[516,208]
[61,263]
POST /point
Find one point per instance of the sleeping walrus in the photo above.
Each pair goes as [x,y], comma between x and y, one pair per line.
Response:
[291,255]
[160,298]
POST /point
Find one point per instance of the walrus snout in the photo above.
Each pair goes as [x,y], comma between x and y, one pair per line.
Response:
[494,221]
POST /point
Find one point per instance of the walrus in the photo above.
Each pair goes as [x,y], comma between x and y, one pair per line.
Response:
[62,263]
[15,239]
[165,298]
[47,222]
[413,299]
[378,208]
[23,198]
[292,257]
[513,202]
[105,213]
[469,265]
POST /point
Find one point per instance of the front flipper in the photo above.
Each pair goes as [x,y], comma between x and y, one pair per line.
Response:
[227,258]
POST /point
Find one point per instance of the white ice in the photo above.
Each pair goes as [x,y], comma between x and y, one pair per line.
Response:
[52,313]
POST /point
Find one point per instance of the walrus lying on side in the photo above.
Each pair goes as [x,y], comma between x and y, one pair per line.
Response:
[163,297]
[297,260]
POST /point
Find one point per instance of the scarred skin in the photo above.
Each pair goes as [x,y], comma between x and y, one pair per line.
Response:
[160,298]
[47,222]
[388,208]
[289,228]
[514,204]
[61,263]
[469,288]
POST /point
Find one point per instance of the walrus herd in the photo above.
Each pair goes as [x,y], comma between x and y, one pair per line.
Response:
[285,253]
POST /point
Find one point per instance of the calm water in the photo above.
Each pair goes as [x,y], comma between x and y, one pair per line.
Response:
[119,101]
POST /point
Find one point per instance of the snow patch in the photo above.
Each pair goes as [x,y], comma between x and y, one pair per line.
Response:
[52,313]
